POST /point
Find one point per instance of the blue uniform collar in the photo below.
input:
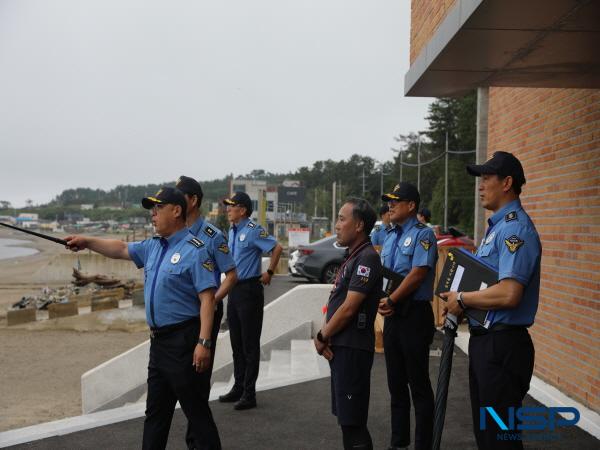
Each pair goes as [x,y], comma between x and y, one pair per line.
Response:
[176,237]
[498,215]
[409,223]
[197,226]
[242,223]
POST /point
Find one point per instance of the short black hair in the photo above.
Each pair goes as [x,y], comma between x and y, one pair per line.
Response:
[517,184]
[362,210]
[384,209]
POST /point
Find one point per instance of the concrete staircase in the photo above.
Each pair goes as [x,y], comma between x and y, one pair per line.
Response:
[285,367]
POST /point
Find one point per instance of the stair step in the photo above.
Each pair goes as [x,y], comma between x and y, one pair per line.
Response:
[304,359]
[280,364]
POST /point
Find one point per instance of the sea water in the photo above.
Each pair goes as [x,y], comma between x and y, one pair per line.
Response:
[9,248]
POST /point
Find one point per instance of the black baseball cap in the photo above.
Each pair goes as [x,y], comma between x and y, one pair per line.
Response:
[403,191]
[166,196]
[189,186]
[425,212]
[501,163]
[242,199]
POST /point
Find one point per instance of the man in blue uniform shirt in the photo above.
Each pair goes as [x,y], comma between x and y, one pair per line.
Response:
[218,251]
[178,274]
[501,357]
[379,232]
[409,250]
[347,338]
[248,241]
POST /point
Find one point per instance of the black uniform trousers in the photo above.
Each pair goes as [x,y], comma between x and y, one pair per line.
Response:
[500,369]
[245,306]
[189,438]
[406,340]
[172,377]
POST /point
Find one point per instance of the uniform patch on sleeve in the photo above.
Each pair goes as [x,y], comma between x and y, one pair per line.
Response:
[209,231]
[251,225]
[513,243]
[196,242]
[263,234]
[425,243]
[377,227]
[510,216]
[363,271]
[209,265]
[223,248]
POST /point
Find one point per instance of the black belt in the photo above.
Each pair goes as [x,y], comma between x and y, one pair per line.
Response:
[480,331]
[163,331]
[248,280]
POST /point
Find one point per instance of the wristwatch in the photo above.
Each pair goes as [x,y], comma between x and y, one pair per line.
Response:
[390,302]
[270,272]
[460,301]
[206,343]
[320,338]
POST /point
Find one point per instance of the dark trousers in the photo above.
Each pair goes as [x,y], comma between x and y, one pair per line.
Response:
[189,437]
[245,316]
[500,369]
[406,339]
[172,377]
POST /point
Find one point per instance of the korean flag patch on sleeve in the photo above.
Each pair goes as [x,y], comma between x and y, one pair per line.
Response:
[363,271]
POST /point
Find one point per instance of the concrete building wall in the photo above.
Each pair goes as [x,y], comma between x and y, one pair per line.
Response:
[556,135]
[425,18]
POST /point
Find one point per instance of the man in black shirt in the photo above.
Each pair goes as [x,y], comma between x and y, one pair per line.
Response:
[347,338]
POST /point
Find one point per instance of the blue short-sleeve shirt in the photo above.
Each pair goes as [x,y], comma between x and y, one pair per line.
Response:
[512,247]
[176,270]
[248,241]
[216,245]
[379,234]
[412,244]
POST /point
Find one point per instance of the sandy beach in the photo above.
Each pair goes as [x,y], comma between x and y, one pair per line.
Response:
[42,362]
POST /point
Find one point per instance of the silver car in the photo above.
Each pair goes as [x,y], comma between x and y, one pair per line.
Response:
[320,260]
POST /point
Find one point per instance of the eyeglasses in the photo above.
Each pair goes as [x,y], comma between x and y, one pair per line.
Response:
[157,207]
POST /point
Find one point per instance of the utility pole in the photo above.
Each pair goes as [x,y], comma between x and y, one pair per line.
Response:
[315,214]
[446,187]
[381,181]
[333,208]
[419,165]
[401,153]
[363,181]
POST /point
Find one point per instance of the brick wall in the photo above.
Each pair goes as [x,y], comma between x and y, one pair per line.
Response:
[556,135]
[425,18]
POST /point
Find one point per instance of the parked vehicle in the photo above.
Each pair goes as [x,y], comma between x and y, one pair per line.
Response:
[454,238]
[320,260]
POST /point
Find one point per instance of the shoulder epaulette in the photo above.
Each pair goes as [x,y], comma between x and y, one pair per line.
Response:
[510,216]
[251,225]
[420,225]
[196,242]
[209,231]
[377,227]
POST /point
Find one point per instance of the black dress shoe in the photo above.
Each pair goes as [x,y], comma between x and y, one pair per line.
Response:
[245,403]
[231,396]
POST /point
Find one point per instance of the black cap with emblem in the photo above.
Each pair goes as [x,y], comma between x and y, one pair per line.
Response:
[242,199]
[166,196]
[501,163]
[403,191]
[189,186]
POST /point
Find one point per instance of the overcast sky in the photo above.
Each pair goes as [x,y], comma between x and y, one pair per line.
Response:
[96,93]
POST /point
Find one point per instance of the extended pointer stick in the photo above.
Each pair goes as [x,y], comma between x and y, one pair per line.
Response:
[43,236]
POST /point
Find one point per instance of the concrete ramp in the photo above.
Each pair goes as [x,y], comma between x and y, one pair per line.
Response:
[296,315]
